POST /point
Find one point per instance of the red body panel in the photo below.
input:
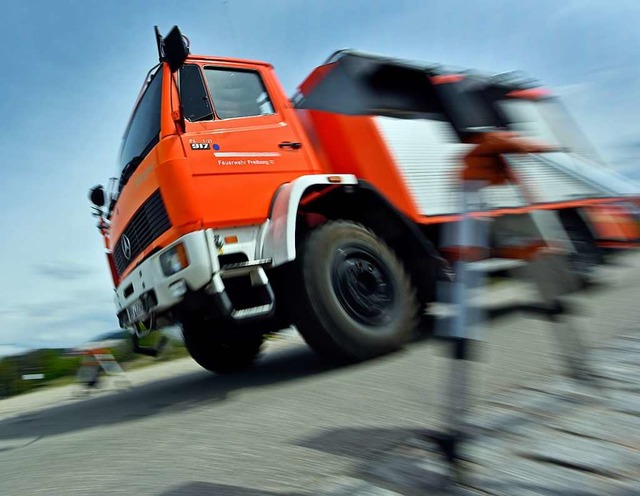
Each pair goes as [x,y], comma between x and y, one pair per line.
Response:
[353,145]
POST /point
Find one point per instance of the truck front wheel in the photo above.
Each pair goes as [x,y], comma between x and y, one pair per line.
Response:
[219,348]
[353,299]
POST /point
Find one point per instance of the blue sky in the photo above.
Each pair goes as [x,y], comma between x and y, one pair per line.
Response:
[72,70]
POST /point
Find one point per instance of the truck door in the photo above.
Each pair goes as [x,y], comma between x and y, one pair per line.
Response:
[242,139]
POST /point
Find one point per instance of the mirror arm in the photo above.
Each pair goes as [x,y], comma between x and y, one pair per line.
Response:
[160,44]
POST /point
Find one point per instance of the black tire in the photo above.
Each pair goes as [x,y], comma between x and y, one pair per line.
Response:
[353,299]
[220,348]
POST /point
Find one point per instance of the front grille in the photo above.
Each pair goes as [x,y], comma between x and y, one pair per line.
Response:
[146,225]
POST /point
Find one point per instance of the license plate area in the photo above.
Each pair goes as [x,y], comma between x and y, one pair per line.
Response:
[136,311]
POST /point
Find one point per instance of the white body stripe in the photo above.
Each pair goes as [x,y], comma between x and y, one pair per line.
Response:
[428,155]
[246,154]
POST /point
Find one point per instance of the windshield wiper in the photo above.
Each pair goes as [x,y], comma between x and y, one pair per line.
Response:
[128,170]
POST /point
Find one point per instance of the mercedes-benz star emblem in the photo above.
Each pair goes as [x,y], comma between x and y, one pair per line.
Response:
[126,247]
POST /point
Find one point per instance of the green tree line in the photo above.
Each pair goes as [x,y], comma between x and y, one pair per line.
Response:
[53,363]
[58,363]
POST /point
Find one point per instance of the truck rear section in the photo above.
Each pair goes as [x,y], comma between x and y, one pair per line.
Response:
[420,121]
[239,212]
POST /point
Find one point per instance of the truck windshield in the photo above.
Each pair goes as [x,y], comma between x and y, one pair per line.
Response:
[143,131]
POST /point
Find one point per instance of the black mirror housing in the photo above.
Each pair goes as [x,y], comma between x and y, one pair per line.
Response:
[96,195]
[174,49]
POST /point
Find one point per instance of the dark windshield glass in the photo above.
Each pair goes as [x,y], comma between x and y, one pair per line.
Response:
[143,131]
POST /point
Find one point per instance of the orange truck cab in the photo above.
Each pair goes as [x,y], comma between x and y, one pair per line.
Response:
[239,212]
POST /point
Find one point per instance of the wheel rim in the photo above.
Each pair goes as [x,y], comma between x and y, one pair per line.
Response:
[363,285]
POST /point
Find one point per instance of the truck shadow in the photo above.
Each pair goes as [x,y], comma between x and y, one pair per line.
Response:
[175,394]
[376,452]
[180,393]
[361,443]
[209,488]
[385,457]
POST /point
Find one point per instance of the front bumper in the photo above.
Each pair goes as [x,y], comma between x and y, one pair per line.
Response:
[147,293]
[147,290]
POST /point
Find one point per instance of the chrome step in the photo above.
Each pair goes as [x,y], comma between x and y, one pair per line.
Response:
[495,265]
[246,313]
[242,268]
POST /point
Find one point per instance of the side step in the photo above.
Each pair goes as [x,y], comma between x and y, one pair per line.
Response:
[243,268]
[260,284]
[490,265]
[246,313]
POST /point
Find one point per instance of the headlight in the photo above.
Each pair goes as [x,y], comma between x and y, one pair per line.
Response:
[174,259]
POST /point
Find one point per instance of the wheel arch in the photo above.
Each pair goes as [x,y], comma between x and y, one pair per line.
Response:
[353,200]
[279,241]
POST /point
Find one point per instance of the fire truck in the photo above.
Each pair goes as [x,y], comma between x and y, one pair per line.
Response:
[239,211]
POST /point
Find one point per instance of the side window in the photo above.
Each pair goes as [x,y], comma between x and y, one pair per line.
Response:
[193,95]
[237,93]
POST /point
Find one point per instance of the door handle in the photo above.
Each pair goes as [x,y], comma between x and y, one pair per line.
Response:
[290,144]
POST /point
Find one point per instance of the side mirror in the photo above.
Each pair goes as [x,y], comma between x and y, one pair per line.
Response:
[174,48]
[96,195]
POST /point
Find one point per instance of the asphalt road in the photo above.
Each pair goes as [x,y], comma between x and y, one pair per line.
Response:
[290,426]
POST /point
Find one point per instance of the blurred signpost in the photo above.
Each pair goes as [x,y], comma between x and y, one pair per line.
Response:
[478,244]
[97,363]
